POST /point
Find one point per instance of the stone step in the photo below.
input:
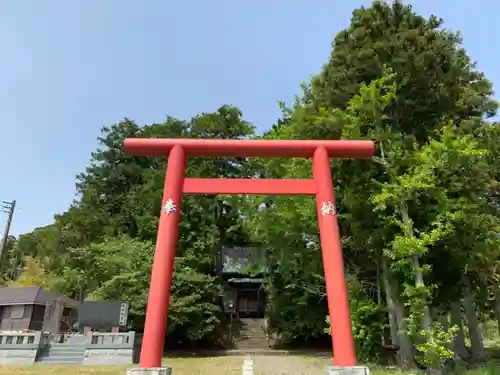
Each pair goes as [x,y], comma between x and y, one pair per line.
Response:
[250,323]
[240,338]
[64,353]
[256,345]
[67,349]
[252,343]
[62,358]
[61,361]
[247,338]
[253,348]
[258,329]
[250,335]
[251,330]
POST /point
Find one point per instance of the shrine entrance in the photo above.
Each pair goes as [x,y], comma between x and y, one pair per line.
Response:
[176,185]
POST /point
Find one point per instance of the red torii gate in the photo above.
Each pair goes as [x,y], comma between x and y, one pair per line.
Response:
[176,185]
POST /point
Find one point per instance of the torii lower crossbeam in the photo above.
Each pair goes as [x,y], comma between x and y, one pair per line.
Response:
[176,185]
[267,186]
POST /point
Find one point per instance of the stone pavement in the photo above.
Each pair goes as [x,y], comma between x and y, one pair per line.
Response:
[287,365]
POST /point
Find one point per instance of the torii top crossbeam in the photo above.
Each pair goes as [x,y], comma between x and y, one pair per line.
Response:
[248,148]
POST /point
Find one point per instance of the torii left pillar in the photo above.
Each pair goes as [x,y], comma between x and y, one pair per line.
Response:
[163,266]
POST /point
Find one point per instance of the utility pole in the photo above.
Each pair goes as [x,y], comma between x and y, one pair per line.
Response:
[8,208]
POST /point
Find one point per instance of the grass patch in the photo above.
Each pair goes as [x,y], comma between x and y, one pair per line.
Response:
[60,370]
[493,367]
[180,366]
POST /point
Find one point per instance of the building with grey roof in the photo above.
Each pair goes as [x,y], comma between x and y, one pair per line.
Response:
[33,308]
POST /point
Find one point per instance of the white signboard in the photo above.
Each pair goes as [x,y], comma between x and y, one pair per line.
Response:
[123,314]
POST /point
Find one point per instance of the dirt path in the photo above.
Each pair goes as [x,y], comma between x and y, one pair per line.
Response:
[287,365]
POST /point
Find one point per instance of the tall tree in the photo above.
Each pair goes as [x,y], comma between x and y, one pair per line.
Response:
[436,79]
[102,246]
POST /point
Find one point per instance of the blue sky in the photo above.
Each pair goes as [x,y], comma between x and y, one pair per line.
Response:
[70,67]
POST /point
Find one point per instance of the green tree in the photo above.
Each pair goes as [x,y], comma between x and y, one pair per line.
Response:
[102,246]
[32,274]
[437,81]
[401,112]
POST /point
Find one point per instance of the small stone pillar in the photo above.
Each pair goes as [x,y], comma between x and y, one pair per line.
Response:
[353,370]
[86,331]
[150,371]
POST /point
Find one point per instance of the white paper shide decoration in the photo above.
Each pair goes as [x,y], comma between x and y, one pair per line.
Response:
[327,208]
[169,206]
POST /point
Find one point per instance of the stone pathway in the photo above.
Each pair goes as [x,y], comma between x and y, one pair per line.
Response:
[287,365]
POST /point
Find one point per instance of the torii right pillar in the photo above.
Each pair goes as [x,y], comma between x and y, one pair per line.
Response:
[335,278]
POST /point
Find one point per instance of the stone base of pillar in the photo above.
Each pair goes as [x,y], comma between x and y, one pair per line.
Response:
[150,371]
[354,370]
